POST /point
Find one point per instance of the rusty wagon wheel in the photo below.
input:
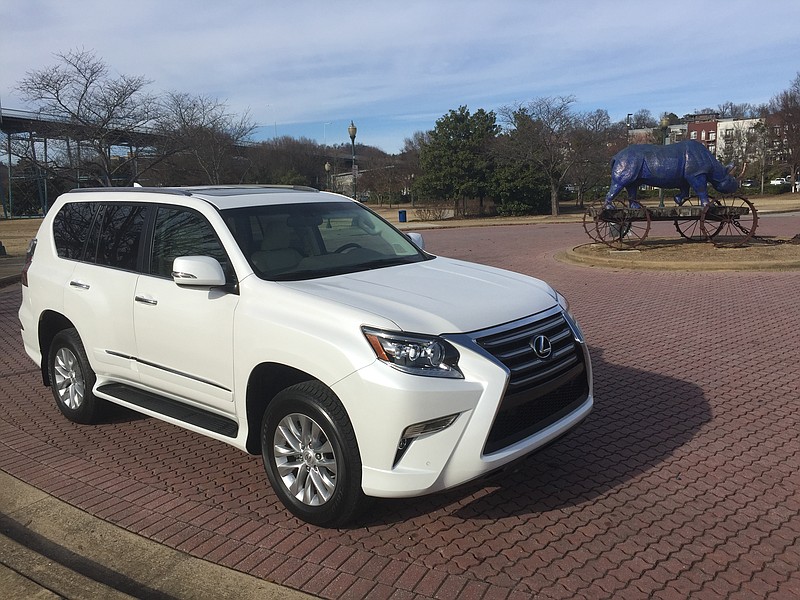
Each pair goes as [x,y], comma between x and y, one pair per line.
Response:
[689,226]
[622,227]
[733,217]
[590,219]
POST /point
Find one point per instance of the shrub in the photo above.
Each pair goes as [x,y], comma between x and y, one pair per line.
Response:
[514,209]
[432,213]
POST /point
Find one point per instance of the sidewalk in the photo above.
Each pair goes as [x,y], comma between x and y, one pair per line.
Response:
[10,269]
[48,549]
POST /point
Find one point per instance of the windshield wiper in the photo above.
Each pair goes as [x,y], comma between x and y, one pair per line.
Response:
[345,269]
[387,262]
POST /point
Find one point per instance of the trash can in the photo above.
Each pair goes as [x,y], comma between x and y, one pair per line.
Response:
[401,215]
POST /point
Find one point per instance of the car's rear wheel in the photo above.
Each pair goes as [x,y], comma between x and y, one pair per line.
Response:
[72,379]
[311,455]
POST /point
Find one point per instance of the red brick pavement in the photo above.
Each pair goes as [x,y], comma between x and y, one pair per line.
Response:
[682,483]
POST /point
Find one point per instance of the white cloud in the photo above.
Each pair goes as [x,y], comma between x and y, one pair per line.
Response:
[314,62]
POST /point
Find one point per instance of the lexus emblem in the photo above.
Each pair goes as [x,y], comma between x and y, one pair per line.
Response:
[541,346]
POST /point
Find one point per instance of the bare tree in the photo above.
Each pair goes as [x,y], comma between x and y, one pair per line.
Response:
[786,109]
[542,132]
[761,145]
[733,110]
[739,142]
[290,161]
[202,127]
[595,141]
[382,182]
[93,114]
[643,119]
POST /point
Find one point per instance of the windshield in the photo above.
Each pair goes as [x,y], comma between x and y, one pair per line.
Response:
[289,242]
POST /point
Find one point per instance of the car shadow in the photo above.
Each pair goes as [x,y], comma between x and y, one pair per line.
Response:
[639,420]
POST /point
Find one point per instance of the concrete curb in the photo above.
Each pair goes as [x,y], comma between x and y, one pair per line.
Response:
[9,280]
[628,259]
[51,549]
[11,269]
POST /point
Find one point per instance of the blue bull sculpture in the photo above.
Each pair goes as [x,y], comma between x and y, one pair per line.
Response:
[683,165]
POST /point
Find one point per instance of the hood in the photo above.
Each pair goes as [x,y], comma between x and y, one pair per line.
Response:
[436,296]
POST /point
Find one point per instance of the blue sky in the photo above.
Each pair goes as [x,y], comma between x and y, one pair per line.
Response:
[306,68]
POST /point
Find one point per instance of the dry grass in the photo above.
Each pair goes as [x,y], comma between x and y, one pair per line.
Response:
[678,254]
[16,233]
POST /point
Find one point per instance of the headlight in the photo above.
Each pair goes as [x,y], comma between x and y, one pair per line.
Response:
[416,354]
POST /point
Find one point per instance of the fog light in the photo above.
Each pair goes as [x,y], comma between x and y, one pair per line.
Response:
[418,429]
[431,426]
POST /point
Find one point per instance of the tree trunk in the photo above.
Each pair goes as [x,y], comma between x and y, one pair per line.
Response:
[554,199]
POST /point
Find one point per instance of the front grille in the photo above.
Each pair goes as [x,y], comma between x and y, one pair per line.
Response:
[540,391]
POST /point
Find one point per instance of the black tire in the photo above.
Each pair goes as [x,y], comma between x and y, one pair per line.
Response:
[311,455]
[72,378]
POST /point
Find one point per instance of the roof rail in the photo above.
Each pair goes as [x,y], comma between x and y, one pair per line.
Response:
[251,186]
[195,189]
[132,190]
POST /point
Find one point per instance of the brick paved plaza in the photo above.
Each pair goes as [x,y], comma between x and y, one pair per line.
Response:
[682,483]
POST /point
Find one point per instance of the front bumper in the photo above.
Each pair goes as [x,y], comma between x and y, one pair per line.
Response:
[382,402]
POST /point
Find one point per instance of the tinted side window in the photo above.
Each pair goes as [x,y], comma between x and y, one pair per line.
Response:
[71,228]
[182,232]
[118,245]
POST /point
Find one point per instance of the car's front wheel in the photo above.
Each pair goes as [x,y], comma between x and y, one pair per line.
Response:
[311,455]
[72,379]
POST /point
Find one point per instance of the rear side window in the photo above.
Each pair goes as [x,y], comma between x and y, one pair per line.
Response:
[71,228]
[118,245]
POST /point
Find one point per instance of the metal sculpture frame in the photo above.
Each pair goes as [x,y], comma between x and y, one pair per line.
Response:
[728,222]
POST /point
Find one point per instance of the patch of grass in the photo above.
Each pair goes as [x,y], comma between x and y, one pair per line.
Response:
[15,234]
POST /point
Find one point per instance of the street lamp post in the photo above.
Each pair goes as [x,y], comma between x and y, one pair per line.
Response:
[664,141]
[352,131]
[325,133]
[328,175]
[628,127]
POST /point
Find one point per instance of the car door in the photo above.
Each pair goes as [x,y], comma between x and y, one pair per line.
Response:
[184,335]
[99,292]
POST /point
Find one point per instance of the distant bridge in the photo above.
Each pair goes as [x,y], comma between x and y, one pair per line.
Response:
[40,125]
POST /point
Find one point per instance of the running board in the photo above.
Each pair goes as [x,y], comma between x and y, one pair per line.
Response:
[171,408]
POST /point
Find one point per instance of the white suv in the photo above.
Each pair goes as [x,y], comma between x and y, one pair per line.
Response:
[300,325]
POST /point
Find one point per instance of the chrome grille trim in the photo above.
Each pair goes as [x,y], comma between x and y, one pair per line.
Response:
[511,347]
[539,391]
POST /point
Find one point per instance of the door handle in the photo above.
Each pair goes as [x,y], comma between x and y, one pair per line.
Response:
[79,284]
[146,300]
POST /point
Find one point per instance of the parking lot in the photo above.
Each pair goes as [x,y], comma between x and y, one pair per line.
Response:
[683,482]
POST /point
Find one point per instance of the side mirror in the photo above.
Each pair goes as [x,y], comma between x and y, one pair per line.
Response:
[200,271]
[417,239]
